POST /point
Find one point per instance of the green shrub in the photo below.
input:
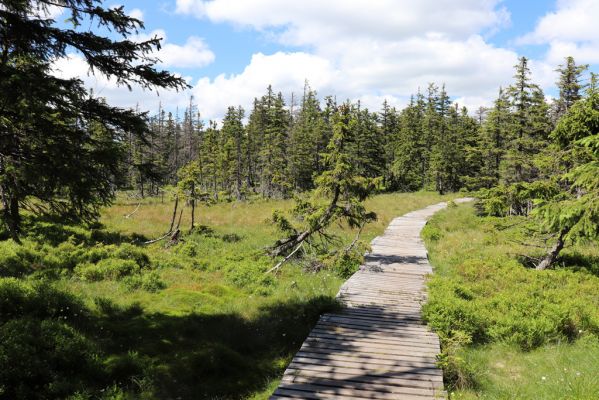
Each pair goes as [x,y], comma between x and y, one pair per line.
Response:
[18,260]
[108,268]
[18,299]
[486,295]
[132,282]
[42,359]
[130,252]
[189,249]
[151,282]
[431,233]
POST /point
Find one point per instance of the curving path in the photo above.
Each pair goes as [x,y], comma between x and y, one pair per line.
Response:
[377,347]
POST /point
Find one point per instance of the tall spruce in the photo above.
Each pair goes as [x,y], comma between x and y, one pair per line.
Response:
[58,140]
[569,85]
[530,129]
[305,142]
[495,134]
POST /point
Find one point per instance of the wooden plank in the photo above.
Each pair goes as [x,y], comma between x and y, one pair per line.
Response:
[376,347]
[343,392]
[348,376]
[404,391]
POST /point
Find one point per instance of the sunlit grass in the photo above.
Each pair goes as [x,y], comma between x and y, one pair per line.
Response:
[534,333]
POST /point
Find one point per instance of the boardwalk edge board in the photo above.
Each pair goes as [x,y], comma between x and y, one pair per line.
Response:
[377,346]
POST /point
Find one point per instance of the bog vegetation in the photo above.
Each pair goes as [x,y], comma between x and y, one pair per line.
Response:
[140,255]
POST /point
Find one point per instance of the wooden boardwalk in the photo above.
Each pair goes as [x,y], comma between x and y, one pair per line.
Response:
[377,347]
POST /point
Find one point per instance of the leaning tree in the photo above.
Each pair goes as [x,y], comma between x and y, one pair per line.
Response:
[59,144]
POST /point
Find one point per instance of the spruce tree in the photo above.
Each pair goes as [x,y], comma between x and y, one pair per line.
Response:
[569,85]
[530,128]
[232,152]
[409,163]
[339,195]
[573,215]
[495,133]
[59,140]
[304,142]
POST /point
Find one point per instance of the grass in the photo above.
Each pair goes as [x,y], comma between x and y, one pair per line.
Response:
[196,320]
[509,331]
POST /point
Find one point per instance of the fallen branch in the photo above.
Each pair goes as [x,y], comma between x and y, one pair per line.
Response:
[283,261]
[134,211]
[158,239]
[171,233]
[353,243]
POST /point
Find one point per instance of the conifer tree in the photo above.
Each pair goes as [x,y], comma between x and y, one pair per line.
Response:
[273,152]
[388,120]
[208,159]
[304,142]
[232,151]
[59,139]
[339,195]
[574,213]
[530,129]
[255,142]
[495,133]
[569,85]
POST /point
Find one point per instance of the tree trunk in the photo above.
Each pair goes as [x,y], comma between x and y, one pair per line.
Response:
[552,255]
[193,213]
[12,218]
[193,206]
[170,229]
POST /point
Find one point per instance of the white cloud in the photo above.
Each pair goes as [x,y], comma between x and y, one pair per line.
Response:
[285,71]
[361,49]
[194,53]
[389,19]
[570,30]
[137,14]
[75,66]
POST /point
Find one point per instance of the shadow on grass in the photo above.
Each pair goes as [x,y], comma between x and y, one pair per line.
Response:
[570,261]
[210,356]
[51,231]
[150,355]
[580,262]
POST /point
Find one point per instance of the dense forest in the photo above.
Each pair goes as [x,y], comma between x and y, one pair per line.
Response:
[431,144]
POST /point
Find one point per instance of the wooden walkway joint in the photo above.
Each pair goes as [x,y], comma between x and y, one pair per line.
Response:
[377,347]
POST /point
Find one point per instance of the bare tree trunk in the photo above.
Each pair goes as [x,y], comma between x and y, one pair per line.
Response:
[174,214]
[193,209]
[552,255]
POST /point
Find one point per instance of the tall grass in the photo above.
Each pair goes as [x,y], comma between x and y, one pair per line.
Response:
[200,319]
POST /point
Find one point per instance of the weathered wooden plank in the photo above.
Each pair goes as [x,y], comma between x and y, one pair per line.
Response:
[377,346]
[362,385]
[366,378]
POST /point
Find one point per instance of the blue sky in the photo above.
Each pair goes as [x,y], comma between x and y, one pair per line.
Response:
[371,50]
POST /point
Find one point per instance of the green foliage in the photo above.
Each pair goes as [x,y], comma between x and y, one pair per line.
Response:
[108,268]
[515,199]
[481,294]
[62,152]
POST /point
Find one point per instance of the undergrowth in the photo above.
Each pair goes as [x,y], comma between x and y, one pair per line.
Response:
[88,312]
[483,297]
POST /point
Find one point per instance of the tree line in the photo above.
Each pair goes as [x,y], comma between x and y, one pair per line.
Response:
[431,144]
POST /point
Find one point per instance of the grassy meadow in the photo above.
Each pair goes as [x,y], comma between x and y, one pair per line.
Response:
[509,331]
[199,319]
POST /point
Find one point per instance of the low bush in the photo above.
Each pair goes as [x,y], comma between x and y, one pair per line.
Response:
[482,294]
[108,268]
